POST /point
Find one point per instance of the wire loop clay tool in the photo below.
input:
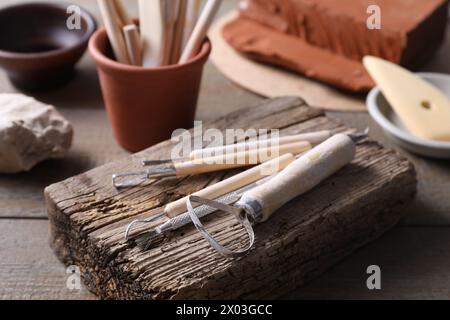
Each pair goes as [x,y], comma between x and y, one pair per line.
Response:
[184,219]
[225,190]
[206,165]
[261,200]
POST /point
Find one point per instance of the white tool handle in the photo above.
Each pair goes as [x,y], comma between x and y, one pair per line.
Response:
[201,29]
[153,33]
[171,15]
[234,183]
[302,175]
[192,12]
[313,138]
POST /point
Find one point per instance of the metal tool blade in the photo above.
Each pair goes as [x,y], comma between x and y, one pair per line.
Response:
[134,179]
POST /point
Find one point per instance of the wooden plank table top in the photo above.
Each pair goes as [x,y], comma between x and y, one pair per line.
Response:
[414,257]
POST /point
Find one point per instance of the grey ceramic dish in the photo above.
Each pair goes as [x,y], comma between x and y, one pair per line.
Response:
[382,113]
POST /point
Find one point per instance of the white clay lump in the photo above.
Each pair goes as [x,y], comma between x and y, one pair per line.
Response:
[30,132]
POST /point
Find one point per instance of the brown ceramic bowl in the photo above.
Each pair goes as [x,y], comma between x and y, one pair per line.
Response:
[145,105]
[37,49]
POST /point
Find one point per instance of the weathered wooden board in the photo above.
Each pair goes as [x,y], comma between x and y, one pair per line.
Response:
[412,260]
[307,236]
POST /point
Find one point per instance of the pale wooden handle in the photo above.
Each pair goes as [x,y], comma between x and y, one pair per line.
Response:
[192,13]
[313,138]
[132,41]
[239,159]
[109,14]
[201,28]
[234,183]
[152,26]
[122,13]
[303,174]
[178,33]
[170,11]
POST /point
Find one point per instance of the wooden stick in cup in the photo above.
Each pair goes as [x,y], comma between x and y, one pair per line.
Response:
[152,25]
[177,43]
[192,13]
[122,13]
[113,30]
[201,28]
[133,44]
[171,17]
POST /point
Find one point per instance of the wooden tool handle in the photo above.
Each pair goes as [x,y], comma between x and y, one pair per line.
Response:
[177,45]
[133,44]
[313,138]
[113,29]
[153,33]
[170,11]
[201,28]
[192,13]
[238,160]
[302,175]
[234,183]
[122,13]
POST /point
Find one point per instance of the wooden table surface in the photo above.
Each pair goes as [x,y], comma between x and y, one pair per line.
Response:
[413,257]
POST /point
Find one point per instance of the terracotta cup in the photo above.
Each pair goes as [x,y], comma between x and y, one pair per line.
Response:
[145,105]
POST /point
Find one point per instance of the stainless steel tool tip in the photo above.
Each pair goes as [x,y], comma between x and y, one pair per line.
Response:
[155,162]
[134,179]
[358,137]
[141,221]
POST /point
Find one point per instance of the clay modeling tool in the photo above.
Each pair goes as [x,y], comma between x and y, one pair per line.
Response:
[133,43]
[152,27]
[235,182]
[184,219]
[192,13]
[220,189]
[178,32]
[201,28]
[423,108]
[207,165]
[313,138]
[109,15]
[122,13]
[259,204]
